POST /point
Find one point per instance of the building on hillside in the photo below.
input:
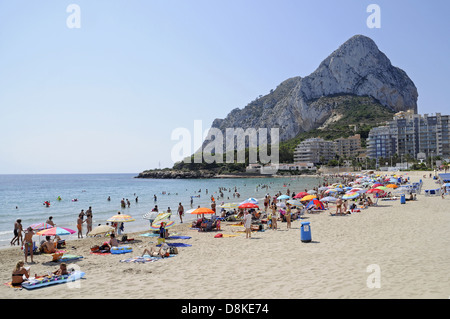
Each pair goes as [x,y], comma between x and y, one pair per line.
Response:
[314,150]
[411,134]
[348,147]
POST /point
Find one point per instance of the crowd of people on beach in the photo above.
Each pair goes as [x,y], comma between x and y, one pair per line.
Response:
[270,212]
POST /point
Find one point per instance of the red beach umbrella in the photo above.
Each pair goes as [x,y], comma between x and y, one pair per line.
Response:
[301,195]
[375,190]
[248,205]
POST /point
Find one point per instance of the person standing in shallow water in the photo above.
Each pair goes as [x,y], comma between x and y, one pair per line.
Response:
[17,233]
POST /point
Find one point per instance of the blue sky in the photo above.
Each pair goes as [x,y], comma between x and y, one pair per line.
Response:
[105,98]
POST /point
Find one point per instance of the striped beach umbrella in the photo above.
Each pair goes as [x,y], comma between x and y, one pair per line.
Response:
[351,195]
[167,224]
[120,219]
[40,226]
[55,231]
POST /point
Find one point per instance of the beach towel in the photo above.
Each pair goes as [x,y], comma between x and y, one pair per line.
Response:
[225,236]
[149,235]
[176,245]
[97,253]
[179,237]
[143,259]
[68,257]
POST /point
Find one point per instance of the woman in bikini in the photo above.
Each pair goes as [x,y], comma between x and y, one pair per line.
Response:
[28,243]
[17,274]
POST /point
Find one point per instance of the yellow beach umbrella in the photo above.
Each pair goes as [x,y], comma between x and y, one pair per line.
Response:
[121,219]
[308,198]
[391,186]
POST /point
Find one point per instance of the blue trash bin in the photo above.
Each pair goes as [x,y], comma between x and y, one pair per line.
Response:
[402,199]
[305,232]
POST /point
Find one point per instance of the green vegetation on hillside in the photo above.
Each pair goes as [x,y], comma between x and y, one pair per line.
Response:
[358,115]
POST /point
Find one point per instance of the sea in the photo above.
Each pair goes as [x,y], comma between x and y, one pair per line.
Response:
[23,196]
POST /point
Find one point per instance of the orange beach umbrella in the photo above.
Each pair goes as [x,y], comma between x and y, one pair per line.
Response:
[202,210]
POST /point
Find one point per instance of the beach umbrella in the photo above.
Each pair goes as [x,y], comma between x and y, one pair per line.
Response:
[283,197]
[229,205]
[376,185]
[383,188]
[331,190]
[294,202]
[351,195]
[323,188]
[202,210]
[446,185]
[102,229]
[308,198]
[248,205]
[316,203]
[311,192]
[168,224]
[391,186]
[337,189]
[55,231]
[250,200]
[150,215]
[40,226]
[162,216]
[375,190]
[121,219]
[301,195]
[328,199]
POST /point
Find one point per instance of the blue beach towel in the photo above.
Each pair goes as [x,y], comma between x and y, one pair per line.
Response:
[179,237]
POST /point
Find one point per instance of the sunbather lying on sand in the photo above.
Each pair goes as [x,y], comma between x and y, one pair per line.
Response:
[154,251]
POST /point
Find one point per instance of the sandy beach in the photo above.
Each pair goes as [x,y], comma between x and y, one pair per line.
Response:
[405,245]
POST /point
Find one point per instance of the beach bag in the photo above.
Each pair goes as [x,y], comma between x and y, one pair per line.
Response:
[218,236]
[173,250]
[124,238]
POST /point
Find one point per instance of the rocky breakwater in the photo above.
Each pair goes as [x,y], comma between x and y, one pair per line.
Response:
[176,174]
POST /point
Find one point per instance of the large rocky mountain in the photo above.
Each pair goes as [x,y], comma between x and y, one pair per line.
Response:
[356,68]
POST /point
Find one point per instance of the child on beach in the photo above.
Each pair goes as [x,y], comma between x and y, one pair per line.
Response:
[80,222]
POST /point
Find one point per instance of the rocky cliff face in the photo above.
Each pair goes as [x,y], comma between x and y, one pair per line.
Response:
[357,67]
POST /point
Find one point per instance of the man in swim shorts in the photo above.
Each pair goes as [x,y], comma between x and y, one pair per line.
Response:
[181,211]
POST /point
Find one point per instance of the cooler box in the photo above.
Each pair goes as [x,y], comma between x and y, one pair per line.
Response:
[402,199]
[305,232]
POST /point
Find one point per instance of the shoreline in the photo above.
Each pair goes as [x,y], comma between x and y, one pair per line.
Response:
[407,242]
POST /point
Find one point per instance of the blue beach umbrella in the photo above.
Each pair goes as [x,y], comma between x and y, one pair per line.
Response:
[250,200]
[283,197]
